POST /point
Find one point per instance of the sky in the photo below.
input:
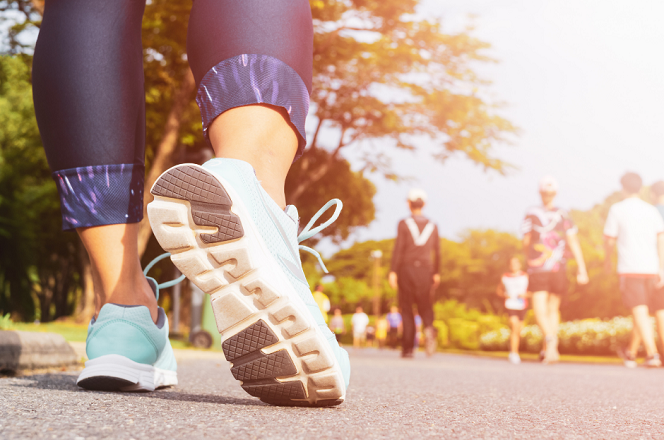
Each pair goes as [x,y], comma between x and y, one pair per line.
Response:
[584,82]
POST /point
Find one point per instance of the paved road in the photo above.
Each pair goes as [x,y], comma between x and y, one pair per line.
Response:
[447,396]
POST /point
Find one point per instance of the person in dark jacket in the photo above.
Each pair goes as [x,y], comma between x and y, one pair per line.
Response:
[414,271]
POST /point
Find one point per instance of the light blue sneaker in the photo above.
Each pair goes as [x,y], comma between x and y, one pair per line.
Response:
[128,351]
[233,241]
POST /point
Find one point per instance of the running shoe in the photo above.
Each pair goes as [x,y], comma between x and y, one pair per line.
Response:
[652,361]
[127,351]
[235,243]
[514,358]
[627,357]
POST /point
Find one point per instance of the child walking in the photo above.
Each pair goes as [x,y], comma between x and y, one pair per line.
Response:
[514,288]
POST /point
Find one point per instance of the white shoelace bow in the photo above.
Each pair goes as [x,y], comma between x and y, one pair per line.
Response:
[307,232]
[167,284]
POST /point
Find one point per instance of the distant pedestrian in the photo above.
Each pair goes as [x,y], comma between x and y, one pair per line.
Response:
[514,288]
[359,321]
[322,300]
[548,237]
[394,321]
[418,333]
[414,270]
[637,229]
[337,325]
[381,331]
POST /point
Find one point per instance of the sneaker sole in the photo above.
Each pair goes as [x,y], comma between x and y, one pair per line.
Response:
[277,351]
[114,372]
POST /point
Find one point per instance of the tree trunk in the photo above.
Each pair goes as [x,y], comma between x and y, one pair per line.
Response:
[164,152]
[85,309]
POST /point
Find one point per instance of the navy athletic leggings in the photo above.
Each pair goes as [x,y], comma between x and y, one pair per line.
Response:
[89,92]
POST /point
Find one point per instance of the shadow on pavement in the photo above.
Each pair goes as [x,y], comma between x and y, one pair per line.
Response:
[67,382]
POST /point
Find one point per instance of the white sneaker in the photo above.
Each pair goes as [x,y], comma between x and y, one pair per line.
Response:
[514,358]
[235,243]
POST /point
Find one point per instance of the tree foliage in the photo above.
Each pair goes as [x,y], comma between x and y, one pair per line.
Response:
[36,258]
[385,78]
[381,78]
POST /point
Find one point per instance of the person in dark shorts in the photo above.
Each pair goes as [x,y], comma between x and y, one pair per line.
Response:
[636,228]
[514,288]
[549,236]
[414,270]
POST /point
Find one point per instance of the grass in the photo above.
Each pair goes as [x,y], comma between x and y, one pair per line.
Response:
[73,332]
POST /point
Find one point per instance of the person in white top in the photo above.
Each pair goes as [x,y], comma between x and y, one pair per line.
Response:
[637,228]
[514,288]
[359,321]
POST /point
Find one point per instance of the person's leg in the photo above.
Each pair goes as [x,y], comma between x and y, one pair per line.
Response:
[253,65]
[659,318]
[541,310]
[425,309]
[642,323]
[89,103]
[407,315]
[635,340]
[515,337]
[553,311]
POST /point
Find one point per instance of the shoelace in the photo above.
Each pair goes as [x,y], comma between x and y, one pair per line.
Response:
[167,284]
[307,232]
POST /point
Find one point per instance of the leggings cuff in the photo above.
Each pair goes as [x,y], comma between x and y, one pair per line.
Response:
[254,79]
[100,195]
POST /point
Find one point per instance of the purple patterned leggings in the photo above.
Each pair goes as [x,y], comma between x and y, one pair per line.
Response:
[89,94]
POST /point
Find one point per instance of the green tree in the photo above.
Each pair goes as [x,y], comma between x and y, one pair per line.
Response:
[601,296]
[36,259]
[383,78]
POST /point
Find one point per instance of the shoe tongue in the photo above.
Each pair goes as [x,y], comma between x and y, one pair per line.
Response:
[291,211]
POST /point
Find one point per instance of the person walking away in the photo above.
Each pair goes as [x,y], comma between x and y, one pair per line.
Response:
[514,288]
[359,321]
[636,228]
[337,325]
[548,237]
[628,354]
[322,300]
[381,331]
[414,271]
[394,321]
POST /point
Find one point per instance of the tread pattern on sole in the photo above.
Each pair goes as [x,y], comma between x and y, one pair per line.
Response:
[210,203]
[277,393]
[104,383]
[253,338]
[269,366]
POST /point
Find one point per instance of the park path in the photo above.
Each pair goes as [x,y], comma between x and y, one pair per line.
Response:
[446,396]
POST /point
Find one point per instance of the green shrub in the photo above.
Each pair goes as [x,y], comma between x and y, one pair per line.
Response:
[443,333]
[464,334]
[6,322]
[586,337]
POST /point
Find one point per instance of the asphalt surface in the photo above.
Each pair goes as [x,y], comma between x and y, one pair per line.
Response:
[446,396]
